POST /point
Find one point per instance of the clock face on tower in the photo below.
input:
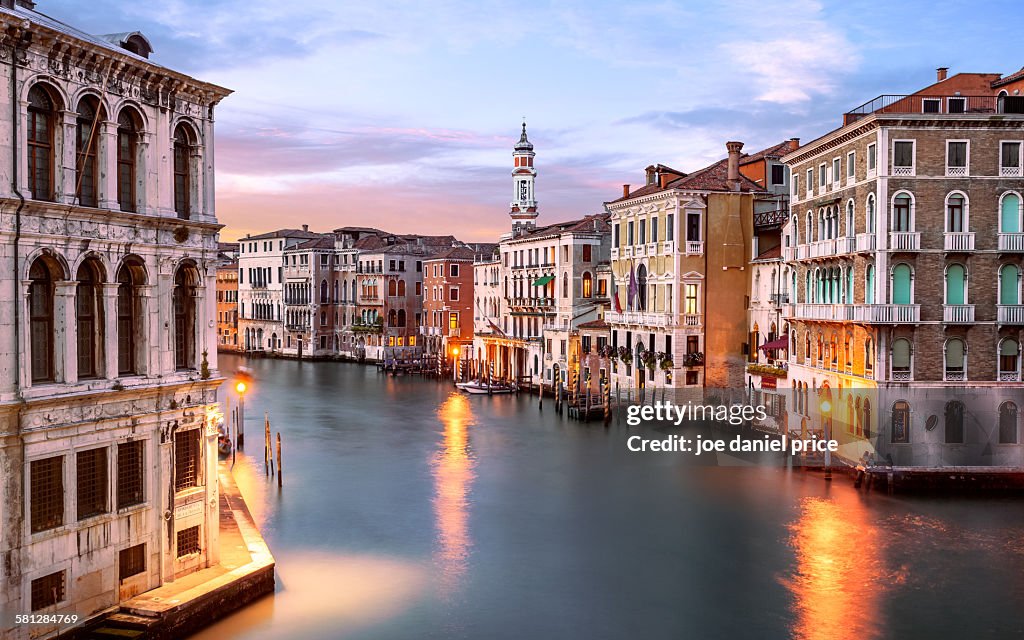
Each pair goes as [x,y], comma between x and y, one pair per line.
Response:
[523,191]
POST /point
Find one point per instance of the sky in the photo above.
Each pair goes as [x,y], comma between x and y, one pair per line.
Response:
[402,115]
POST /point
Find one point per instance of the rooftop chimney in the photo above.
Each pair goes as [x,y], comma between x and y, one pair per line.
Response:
[794,144]
[625,191]
[305,227]
[733,176]
[650,171]
[941,73]
[665,178]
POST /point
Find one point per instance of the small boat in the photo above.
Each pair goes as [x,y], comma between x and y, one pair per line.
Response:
[224,445]
[480,387]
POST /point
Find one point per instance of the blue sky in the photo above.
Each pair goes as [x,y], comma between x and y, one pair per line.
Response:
[403,114]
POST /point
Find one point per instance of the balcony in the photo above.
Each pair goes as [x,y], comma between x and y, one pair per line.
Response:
[865,242]
[531,302]
[1009,172]
[905,240]
[779,299]
[874,313]
[956,172]
[1011,314]
[846,244]
[1011,242]
[936,105]
[640,318]
[691,320]
[788,254]
[694,247]
[821,249]
[615,253]
[954,375]
[668,247]
[1009,376]
[958,313]
[958,241]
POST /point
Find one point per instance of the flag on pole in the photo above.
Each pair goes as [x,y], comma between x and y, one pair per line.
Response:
[615,295]
[632,292]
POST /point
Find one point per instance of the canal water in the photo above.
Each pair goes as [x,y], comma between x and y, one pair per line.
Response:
[412,511]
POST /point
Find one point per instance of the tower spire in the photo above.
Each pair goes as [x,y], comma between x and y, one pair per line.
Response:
[524,204]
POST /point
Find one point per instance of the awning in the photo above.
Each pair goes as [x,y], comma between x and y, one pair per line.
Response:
[543,280]
[778,343]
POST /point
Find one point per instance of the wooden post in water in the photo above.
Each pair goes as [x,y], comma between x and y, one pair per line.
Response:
[266,444]
[279,470]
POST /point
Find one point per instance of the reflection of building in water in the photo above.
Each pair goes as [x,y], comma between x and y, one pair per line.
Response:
[840,576]
[906,246]
[453,475]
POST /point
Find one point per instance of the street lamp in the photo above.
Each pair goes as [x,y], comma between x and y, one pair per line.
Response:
[826,410]
[242,381]
[455,363]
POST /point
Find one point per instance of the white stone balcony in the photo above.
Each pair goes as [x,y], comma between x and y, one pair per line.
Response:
[694,247]
[615,253]
[846,244]
[877,313]
[958,241]
[1009,376]
[821,249]
[640,318]
[1011,314]
[956,172]
[905,240]
[668,247]
[1011,242]
[865,242]
[1009,172]
[691,320]
[789,254]
[958,313]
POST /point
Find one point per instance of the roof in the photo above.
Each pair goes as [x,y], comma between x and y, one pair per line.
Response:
[597,222]
[454,253]
[711,178]
[283,233]
[777,151]
[770,254]
[1013,77]
[228,266]
[323,242]
[594,324]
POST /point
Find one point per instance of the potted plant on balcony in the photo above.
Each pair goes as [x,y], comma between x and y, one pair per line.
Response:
[694,359]
[625,356]
[666,361]
[648,360]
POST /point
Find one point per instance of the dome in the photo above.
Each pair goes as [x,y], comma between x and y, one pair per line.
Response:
[524,144]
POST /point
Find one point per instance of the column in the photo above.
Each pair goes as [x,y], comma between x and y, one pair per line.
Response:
[64,173]
[110,335]
[146,193]
[150,345]
[25,366]
[65,356]
[106,161]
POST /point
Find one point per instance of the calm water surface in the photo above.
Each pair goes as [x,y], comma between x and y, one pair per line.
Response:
[412,511]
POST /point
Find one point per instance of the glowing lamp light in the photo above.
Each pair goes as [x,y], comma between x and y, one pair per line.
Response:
[826,406]
[455,351]
[240,387]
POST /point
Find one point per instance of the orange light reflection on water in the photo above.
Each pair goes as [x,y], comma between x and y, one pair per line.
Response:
[840,576]
[453,476]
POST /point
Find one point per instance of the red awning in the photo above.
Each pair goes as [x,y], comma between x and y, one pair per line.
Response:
[778,343]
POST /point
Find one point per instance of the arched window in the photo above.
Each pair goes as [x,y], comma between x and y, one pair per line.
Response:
[954,422]
[401,317]
[401,288]
[1008,423]
[901,422]
[871,213]
[1009,360]
[867,418]
[565,285]
[392,318]
[127,158]
[807,345]
[130,276]
[796,230]
[641,284]
[1009,285]
[182,172]
[89,319]
[869,285]
[956,284]
[40,305]
[850,225]
[955,358]
[869,357]
[186,279]
[902,291]
[901,214]
[588,285]
[42,116]
[87,137]
[392,288]
[334,298]
[323,292]
[1010,213]
[956,213]
[901,360]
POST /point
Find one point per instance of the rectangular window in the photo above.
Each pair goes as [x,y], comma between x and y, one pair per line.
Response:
[871,158]
[453,321]
[453,270]
[778,174]
[188,541]
[956,105]
[186,459]
[836,171]
[131,561]
[903,157]
[691,300]
[810,181]
[670,230]
[693,227]
[91,480]
[1009,158]
[615,235]
[692,344]
[654,229]
[48,590]
[850,166]
[822,178]
[46,493]
[931,105]
[129,474]
[629,233]
[956,158]
[587,253]
[453,294]
[643,231]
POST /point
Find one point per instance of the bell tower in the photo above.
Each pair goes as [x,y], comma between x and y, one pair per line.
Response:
[524,203]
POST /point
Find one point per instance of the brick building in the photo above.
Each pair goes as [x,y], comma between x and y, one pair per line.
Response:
[906,247]
[227,307]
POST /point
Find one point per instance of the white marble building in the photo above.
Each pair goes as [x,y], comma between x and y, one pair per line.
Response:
[108,359]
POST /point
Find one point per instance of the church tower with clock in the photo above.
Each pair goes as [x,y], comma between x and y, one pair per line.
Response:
[524,203]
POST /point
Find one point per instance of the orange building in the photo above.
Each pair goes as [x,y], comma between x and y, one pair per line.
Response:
[448,303]
[227,307]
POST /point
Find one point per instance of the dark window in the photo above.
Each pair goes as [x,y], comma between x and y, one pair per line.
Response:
[957,154]
[1008,423]
[127,155]
[670,232]
[901,422]
[47,591]
[127,314]
[954,422]
[957,105]
[89,319]
[186,459]
[778,174]
[901,213]
[86,138]
[903,154]
[131,561]
[182,173]
[41,116]
[188,541]
[693,227]
[930,106]
[91,481]
[40,294]
[47,493]
[184,320]
[1010,155]
[129,474]
[692,377]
